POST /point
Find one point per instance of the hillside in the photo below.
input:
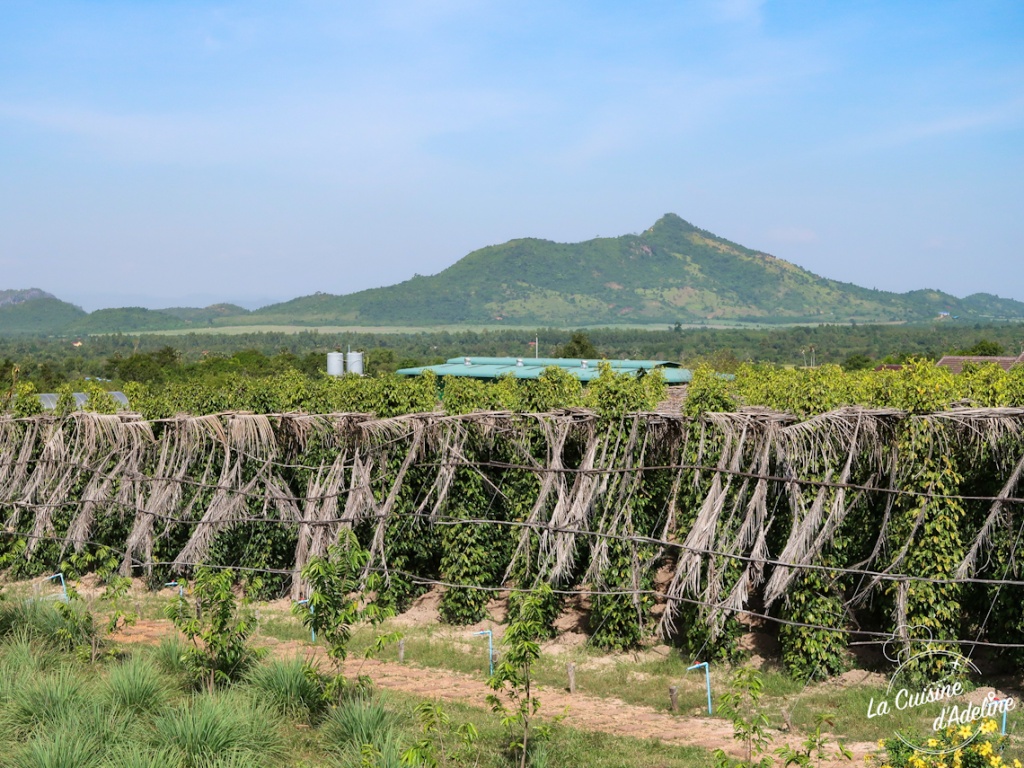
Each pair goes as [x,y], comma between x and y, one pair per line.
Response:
[37,314]
[673,272]
[13,296]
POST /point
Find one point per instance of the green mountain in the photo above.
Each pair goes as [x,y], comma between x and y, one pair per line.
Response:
[673,272]
[205,315]
[35,312]
[127,319]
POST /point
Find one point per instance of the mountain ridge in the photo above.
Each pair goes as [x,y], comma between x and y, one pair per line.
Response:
[672,272]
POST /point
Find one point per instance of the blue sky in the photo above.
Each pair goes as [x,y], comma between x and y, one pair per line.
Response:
[174,152]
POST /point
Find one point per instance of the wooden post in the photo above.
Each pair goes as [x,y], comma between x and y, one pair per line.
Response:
[570,668]
[401,651]
[673,695]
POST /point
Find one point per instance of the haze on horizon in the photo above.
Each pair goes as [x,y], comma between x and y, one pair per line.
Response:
[186,152]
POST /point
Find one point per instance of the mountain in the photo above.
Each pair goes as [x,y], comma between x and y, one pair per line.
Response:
[13,296]
[36,312]
[205,315]
[132,319]
[673,272]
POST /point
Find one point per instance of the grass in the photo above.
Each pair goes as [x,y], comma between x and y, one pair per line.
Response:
[220,725]
[291,687]
[359,720]
[51,704]
[136,686]
[61,711]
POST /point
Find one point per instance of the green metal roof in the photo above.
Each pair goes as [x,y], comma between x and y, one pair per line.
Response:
[564,362]
[532,368]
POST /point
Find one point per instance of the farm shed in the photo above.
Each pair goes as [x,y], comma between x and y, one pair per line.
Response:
[533,367]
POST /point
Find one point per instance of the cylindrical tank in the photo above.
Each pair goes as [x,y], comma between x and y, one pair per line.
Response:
[355,363]
[335,363]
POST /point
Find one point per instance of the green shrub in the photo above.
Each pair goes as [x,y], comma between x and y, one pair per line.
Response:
[46,701]
[61,748]
[357,721]
[219,726]
[169,656]
[136,686]
[220,652]
[292,687]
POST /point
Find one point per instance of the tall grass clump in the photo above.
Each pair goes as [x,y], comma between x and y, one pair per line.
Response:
[38,618]
[169,656]
[65,747]
[387,753]
[46,701]
[356,721]
[220,726]
[139,756]
[293,687]
[136,686]
[23,658]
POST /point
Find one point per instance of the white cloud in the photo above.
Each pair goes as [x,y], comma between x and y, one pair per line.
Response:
[738,11]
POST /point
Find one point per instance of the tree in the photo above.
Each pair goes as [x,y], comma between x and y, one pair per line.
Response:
[579,346]
[984,348]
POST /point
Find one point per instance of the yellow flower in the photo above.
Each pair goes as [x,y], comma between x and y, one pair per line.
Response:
[964,731]
[989,726]
[1017,764]
[933,743]
[881,743]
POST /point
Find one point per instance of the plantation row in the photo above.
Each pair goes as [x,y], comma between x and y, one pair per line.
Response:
[835,503]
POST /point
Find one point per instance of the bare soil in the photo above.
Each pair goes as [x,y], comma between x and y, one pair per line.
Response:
[588,713]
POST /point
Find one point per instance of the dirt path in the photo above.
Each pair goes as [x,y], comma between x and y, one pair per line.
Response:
[587,713]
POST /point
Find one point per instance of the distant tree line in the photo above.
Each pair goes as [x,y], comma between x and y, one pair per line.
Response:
[49,363]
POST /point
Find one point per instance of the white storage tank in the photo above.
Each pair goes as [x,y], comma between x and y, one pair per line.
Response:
[355,363]
[335,363]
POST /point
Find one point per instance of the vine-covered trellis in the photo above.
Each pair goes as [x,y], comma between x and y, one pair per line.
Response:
[884,519]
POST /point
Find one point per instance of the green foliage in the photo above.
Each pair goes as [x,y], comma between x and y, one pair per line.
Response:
[613,395]
[579,346]
[472,555]
[984,348]
[707,393]
[814,748]
[808,652]
[217,628]
[950,746]
[441,743]
[293,687]
[100,401]
[359,720]
[45,701]
[137,687]
[337,596]
[512,677]
[741,704]
[26,402]
[217,727]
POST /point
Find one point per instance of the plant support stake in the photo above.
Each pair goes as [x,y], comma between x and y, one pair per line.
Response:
[490,647]
[63,586]
[312,632]
[707,679]
[181,587]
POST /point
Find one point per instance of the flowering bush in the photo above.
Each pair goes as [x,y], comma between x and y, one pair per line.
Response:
[951,747]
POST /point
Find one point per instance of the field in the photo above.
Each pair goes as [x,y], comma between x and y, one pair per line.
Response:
[136,704]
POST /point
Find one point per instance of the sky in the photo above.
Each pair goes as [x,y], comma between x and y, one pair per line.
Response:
[182,153]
